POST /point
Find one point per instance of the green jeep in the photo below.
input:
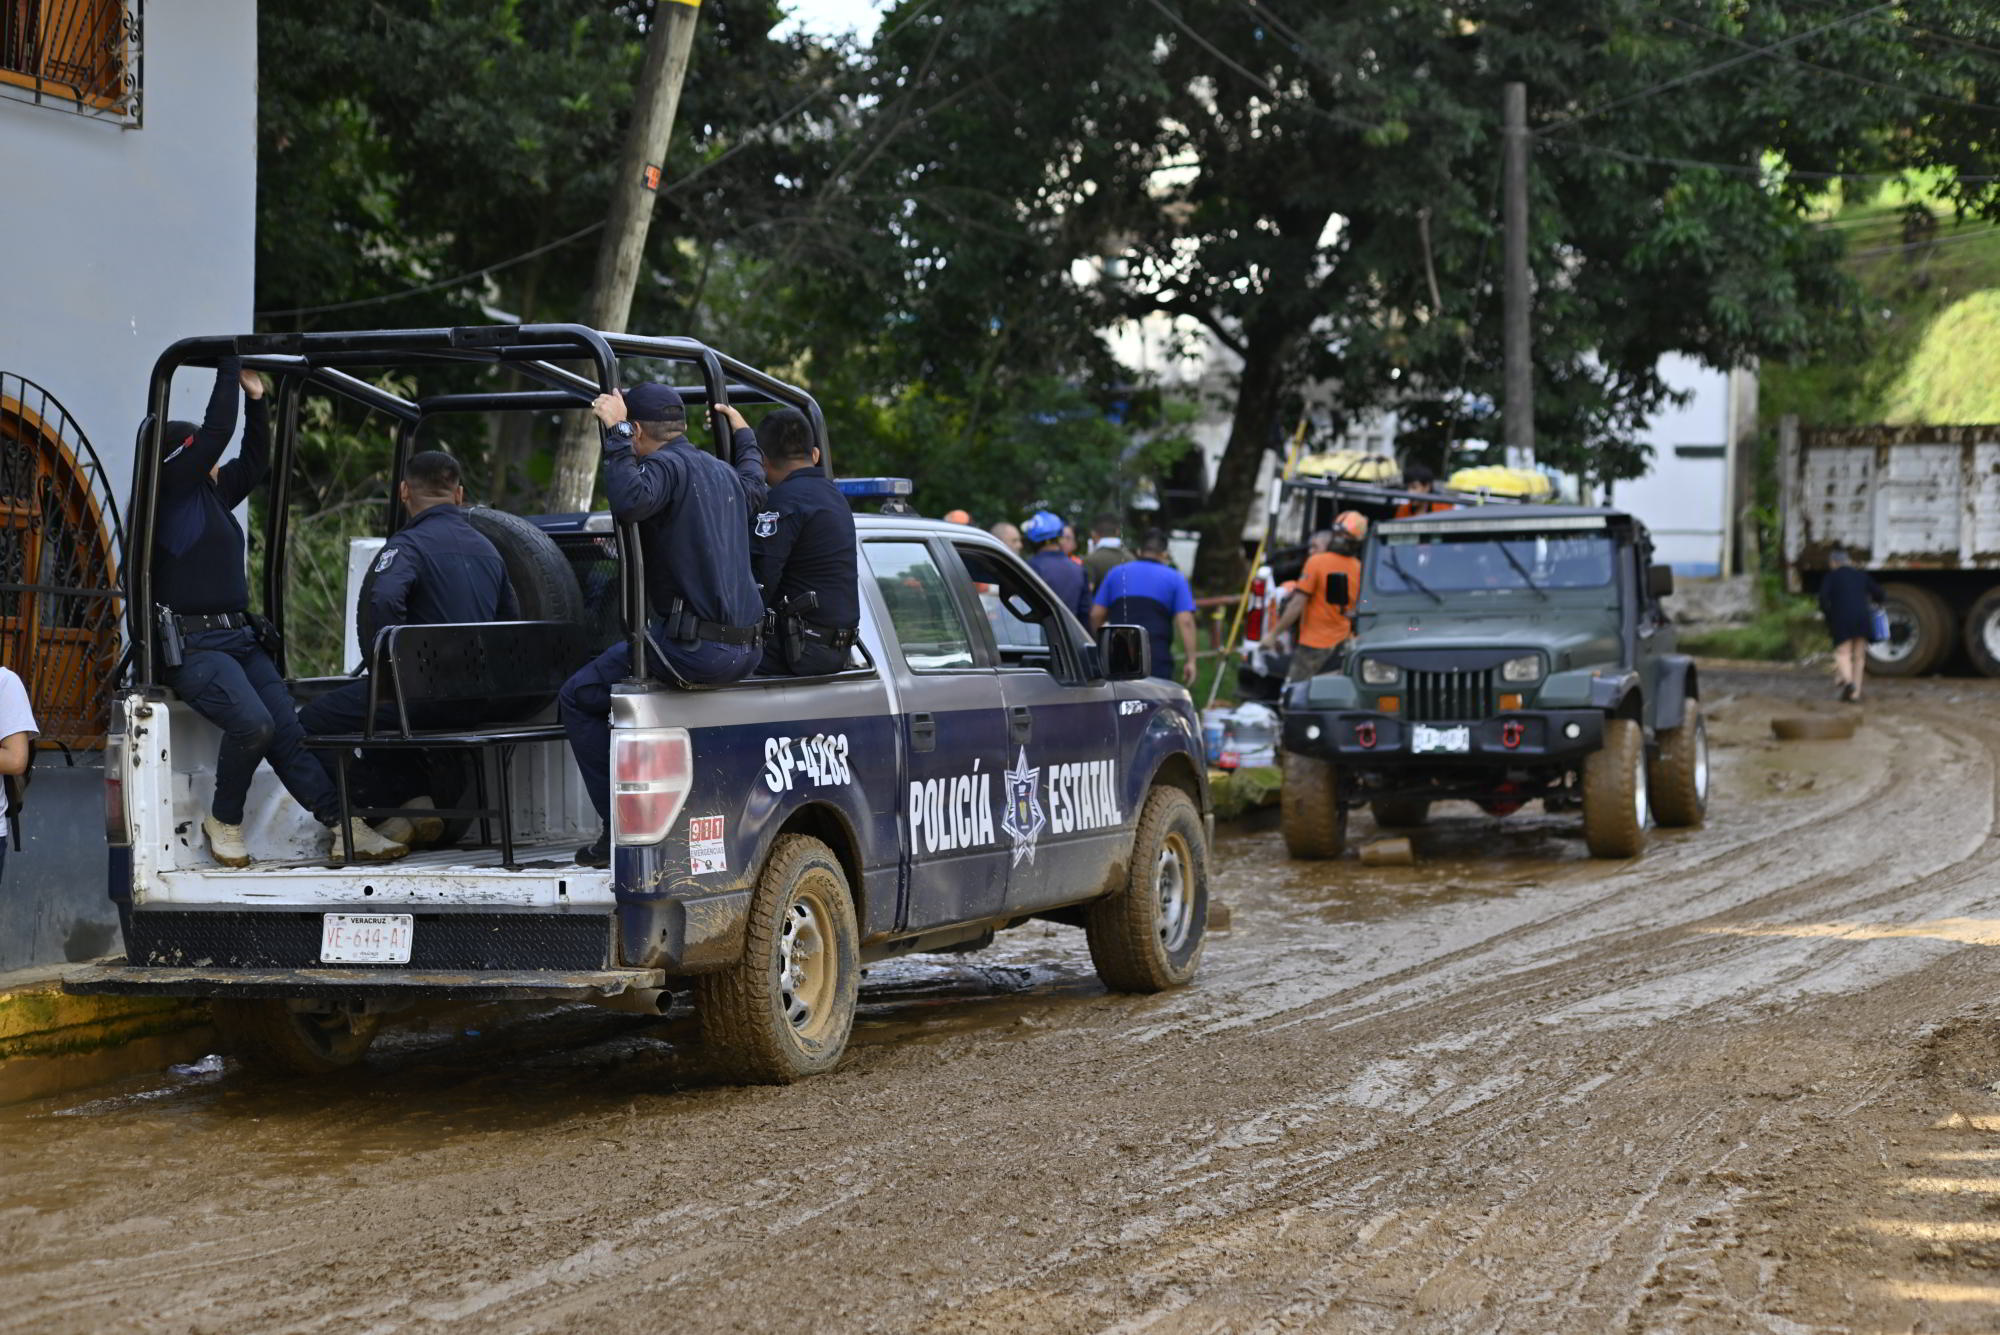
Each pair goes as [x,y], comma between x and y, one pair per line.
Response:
[1502,654]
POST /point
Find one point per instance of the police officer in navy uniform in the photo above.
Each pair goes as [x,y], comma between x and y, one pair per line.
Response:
[693,512]
[1043,533]
[211,652]
[802,552]
[437,570]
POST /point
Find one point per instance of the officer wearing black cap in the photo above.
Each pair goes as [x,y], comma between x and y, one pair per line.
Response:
[211,653]
[437,570]
[693,512]
[802,552]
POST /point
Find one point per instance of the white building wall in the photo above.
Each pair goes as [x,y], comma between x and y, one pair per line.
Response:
[1682,499]
[119,241]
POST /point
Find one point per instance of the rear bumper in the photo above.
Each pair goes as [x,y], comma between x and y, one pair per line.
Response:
[455,940]
[359,983]
[1523,738]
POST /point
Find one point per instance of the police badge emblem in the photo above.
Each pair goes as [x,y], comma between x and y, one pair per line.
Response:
[1024,819]
[767,523]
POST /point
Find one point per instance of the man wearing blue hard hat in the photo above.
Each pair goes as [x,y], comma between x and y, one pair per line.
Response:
[693,514]
[1043,535]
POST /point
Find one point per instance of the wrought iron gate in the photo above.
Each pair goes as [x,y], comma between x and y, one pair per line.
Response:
[60,536]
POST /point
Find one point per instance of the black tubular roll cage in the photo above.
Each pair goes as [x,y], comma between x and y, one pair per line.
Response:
[325,361]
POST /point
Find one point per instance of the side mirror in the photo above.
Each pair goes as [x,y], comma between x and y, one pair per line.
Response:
[1660,580]
[1337,591]
[1126,652]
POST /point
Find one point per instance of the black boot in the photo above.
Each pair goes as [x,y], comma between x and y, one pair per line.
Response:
[596,853]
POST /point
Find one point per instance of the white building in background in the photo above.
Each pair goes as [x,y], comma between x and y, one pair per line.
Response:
[1683,498]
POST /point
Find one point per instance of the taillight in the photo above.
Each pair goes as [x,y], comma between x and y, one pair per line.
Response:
[652,772]
[1253,625]
[117,825]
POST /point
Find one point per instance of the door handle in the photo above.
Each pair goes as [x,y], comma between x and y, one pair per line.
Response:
[1020,724]
[923,732]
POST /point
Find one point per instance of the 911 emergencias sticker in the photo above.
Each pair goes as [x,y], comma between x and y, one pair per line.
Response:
[706,852]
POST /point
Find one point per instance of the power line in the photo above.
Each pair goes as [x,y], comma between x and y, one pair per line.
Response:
[1716,68]
[1838,73]
[1986,235]
[1761,173]
[1258,80]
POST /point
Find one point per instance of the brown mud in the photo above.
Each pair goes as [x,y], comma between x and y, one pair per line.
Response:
[1748,1082]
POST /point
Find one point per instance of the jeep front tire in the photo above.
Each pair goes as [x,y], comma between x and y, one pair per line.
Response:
[1310,814]
[1615,806]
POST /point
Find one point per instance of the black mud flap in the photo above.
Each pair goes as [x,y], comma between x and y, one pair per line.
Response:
[360,984]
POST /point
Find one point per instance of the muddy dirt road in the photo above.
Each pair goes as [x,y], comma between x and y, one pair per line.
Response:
[1746,1083]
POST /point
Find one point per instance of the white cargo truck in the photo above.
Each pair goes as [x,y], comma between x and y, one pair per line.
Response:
[1918,507]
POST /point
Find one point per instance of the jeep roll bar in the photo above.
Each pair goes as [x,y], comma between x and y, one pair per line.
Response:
[299,361]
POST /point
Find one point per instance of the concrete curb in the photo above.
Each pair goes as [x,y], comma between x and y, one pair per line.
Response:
[51,1043]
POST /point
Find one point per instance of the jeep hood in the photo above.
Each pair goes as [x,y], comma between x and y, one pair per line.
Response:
[1568,640]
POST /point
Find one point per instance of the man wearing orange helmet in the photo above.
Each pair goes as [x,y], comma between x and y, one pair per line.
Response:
[1317,606]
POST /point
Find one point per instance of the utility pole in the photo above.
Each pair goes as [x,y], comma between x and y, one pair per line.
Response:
[622,249]
[1518,406]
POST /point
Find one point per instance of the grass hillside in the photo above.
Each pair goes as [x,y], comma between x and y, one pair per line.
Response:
[1932,351]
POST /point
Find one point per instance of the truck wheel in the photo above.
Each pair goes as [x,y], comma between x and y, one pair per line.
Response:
[1310,814]
[1615,809]
[1147,937]
[1678,775]
[1982,632]
[1400,813]
[270,1036]
[785,1009]
[1920,632]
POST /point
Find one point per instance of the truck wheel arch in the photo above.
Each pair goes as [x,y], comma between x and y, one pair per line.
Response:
[1177,770]
[828,824]
[1677,682]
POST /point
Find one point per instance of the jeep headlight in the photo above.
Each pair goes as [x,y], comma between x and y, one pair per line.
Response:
[1528,667]
[1374,672]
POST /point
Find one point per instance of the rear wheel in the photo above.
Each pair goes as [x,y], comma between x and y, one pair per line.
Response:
[1400,813]
[1920,632]
[1678,775]
[1148,936]
[1310,814]
[1982,632]
[271,1036]
[1615,807]
[785,1010]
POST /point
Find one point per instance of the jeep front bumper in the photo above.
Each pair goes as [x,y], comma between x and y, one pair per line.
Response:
[1517,738]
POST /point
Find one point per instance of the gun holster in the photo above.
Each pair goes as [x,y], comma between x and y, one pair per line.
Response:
[268,638]
[167,637]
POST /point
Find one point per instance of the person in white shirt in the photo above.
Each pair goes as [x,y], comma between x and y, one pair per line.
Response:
[17,733]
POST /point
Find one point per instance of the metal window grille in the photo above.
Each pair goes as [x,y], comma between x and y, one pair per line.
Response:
[82,56]
[60,602]
[1450,697]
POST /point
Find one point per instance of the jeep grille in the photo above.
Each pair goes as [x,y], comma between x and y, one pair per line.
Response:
[1449,697]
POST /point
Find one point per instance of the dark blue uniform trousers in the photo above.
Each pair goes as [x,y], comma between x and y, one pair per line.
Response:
[586,697]
[385,777]
[227,679]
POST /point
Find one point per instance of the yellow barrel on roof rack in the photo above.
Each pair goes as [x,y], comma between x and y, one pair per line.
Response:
[1350,466]
[1495,480]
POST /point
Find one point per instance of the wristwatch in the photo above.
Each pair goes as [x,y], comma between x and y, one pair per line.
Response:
[622,432]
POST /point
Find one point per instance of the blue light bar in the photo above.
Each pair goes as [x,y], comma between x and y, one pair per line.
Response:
[865,488]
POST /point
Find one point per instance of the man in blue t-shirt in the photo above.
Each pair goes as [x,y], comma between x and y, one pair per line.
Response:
[1149,592]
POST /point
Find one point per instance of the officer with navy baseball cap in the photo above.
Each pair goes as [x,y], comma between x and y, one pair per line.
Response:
[1043,534]
[693,513]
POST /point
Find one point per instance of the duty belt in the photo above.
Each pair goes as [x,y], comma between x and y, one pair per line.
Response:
[681,624]
[192,623]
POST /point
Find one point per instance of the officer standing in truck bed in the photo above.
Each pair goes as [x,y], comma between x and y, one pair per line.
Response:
[802,551]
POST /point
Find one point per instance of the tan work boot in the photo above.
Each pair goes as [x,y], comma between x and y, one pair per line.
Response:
[422,830]
[368,846]
[225,842]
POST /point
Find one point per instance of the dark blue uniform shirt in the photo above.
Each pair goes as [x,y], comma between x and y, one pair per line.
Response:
[438,570]
[197,544]
[693,512]
[804,541]
[1066,577]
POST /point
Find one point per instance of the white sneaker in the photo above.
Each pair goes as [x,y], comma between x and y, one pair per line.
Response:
[368,845]
[422,830]
[225,842]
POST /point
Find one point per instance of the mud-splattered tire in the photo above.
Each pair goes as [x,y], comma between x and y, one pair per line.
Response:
[785,1010]
[1678,774]
[270,1036]
[1982,632]
[1310,815]
[1148,936]
[1921,632]
[1400,813]
[1615,807]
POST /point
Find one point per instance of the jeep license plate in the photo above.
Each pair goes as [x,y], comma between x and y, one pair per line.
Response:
[1424,738]
[366,938]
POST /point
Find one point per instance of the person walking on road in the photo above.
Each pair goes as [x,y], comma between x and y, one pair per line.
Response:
[1149,592]
[1848,597]
[17,739]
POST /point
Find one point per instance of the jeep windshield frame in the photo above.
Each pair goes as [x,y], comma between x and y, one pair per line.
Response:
[328,362]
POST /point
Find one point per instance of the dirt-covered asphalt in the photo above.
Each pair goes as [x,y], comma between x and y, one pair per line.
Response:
[1750,1082]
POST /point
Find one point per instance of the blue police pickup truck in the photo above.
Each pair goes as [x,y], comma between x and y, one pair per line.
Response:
[981,762]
